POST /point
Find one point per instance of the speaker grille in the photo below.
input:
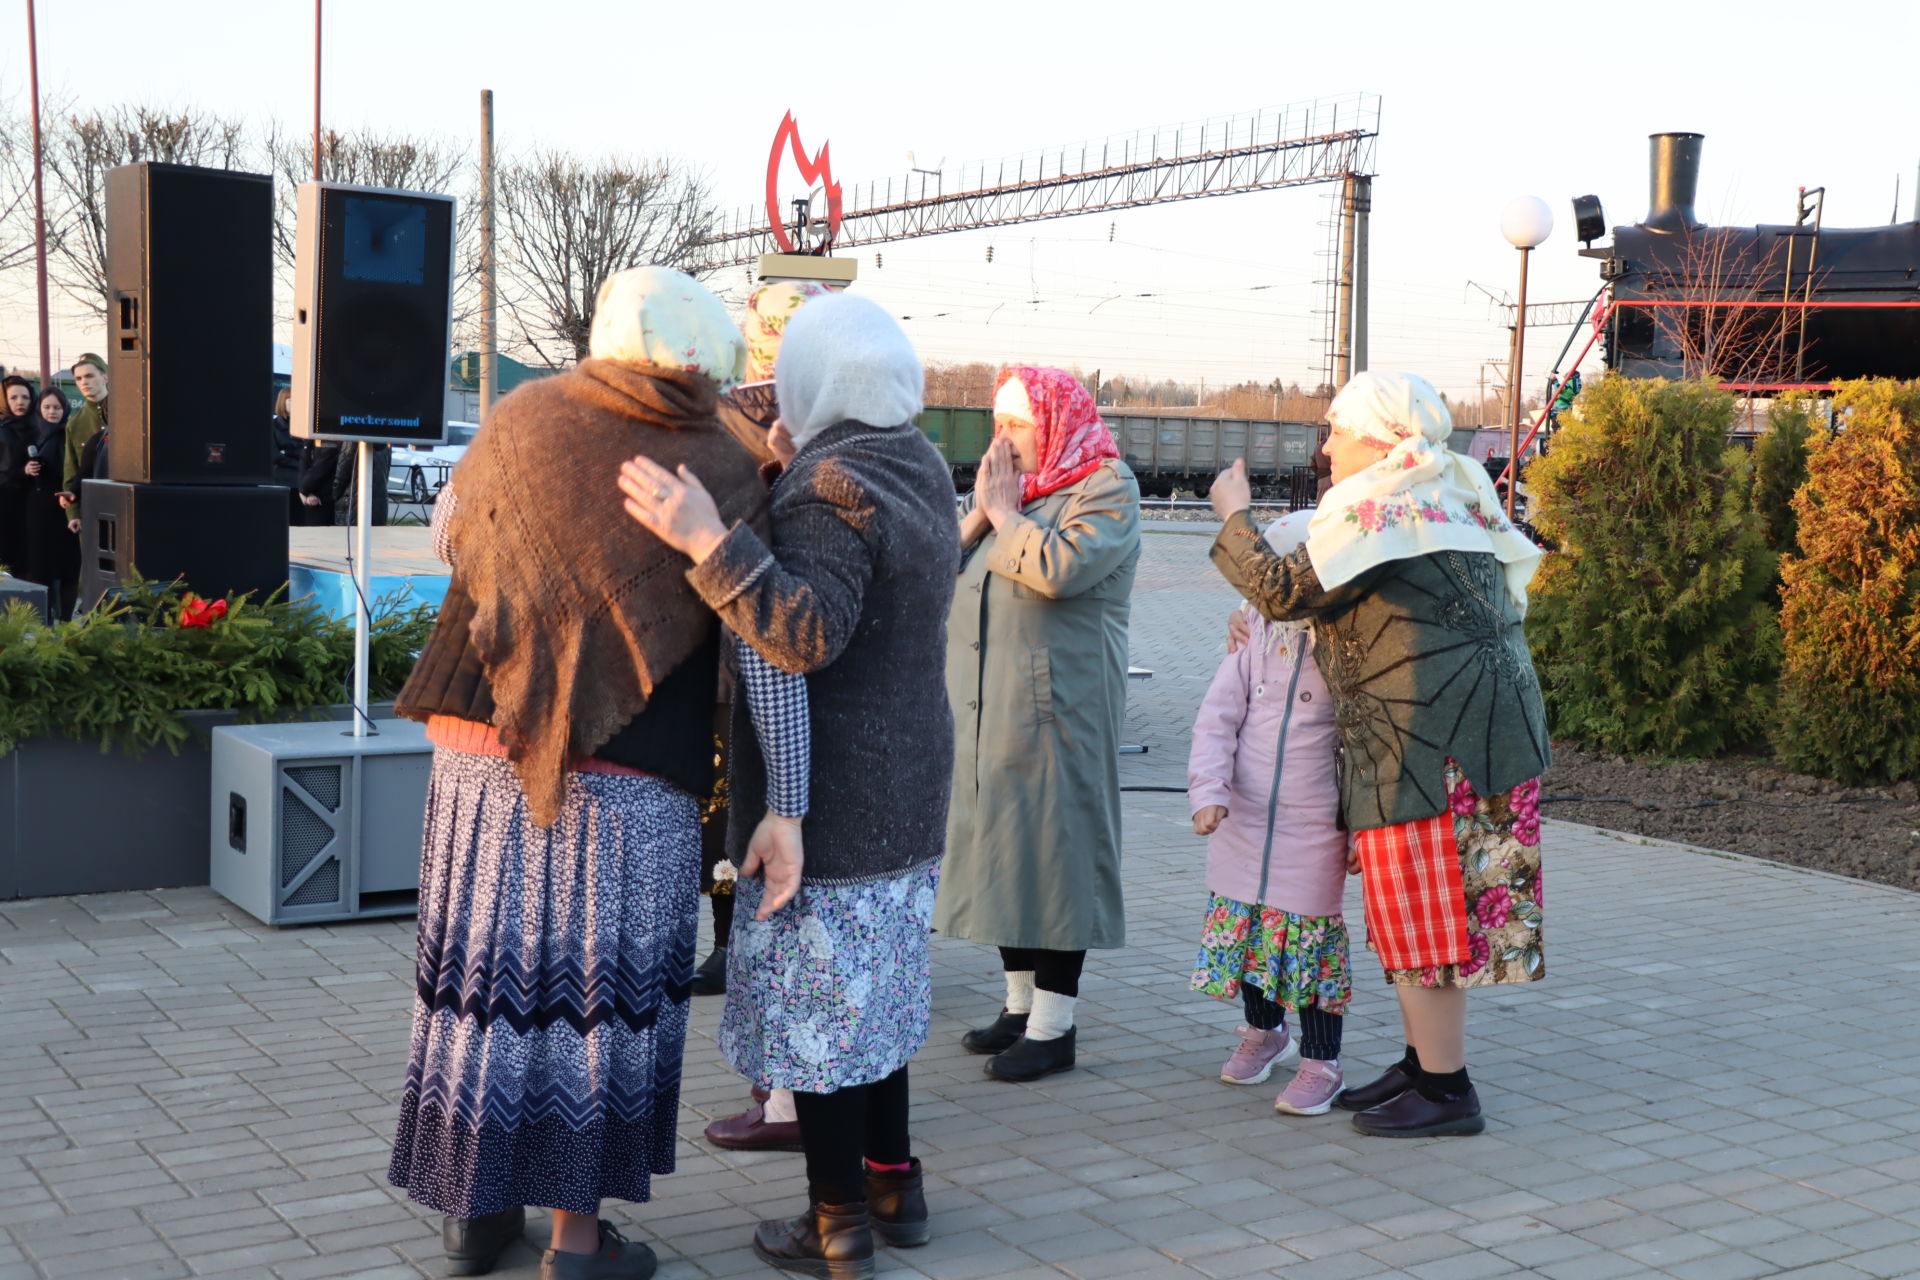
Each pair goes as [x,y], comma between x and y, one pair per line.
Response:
[321,781]
[321,888]
[304,835]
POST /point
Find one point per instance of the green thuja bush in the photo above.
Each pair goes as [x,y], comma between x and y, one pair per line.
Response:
[1850,601]
[1780,468]
[1650,625]
[124,672]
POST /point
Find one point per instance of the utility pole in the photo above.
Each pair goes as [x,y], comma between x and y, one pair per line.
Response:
[1343,290]
[39,200]
[489,294]
[1362,196]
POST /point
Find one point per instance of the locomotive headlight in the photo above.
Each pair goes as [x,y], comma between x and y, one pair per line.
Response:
[1589,220]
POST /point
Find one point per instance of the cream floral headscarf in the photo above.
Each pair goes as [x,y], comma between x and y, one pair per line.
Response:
[767,314]
[1421,498]
[663,317]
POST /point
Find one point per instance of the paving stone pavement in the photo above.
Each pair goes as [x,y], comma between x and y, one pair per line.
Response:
[1715,1082]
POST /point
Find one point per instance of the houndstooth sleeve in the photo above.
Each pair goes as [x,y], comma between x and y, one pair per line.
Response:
[777,701]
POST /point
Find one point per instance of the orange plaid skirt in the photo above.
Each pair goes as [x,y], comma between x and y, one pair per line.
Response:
[1416,899]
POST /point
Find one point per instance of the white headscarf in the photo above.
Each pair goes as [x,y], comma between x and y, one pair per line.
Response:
[1421,498]
[845,359]
[663,317]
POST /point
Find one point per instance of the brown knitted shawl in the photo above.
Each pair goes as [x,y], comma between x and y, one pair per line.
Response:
[579,611]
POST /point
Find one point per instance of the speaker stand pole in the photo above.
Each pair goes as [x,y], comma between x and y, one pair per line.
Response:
[362,583]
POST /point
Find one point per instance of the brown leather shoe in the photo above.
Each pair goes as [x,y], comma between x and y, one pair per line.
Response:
[832,1241]
[752,1131]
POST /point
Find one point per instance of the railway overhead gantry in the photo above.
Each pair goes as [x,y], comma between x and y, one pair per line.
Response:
[1327,140]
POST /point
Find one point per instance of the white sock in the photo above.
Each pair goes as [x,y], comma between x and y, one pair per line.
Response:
[780,1108]
[1052,1015]
[1019,991]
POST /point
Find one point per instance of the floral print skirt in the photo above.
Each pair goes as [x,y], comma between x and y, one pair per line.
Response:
[1498,838]
[1296,961]
[833,990]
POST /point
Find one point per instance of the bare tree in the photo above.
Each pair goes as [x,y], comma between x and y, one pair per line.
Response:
[16,190]
[567,224]
[1718,335]
[402,162]
[79,151]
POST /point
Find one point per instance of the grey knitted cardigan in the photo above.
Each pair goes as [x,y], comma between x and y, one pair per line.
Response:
[854,594]
[1425,658]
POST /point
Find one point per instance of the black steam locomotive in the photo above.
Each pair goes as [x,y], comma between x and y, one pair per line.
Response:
[1765,309]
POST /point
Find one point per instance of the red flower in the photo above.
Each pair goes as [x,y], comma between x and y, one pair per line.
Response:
[1478,952]
[1493,907]
[201,613]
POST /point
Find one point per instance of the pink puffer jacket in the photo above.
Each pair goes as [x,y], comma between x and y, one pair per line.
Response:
[1280,844]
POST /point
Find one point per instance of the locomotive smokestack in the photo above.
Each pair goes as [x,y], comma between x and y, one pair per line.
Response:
[1674,181]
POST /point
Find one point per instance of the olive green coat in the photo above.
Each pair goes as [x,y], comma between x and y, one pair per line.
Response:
[1037,674]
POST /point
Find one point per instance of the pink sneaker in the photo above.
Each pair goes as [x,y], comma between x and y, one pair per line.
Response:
[1312,1090]
[1252,1062]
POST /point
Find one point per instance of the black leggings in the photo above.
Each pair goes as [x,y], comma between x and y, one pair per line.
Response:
[1319,1031]
[840,1129]
[722,904]
[1055,971]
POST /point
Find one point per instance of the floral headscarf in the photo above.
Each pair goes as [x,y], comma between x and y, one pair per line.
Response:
[662,317]
[1421,498]
[767,314]
[1073,441]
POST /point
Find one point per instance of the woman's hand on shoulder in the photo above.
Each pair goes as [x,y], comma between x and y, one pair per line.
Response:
[776,854]
[1208,820]
[1239,630]
[780,443]
[674,507]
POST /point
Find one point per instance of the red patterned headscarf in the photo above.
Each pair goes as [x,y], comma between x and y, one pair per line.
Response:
[1072,440]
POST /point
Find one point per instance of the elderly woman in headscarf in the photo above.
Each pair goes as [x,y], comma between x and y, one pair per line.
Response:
[1416,586]
[831,995]
[568,691]
[751,412]
[1037,671]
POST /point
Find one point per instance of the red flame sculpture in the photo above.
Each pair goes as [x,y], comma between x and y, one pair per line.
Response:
[817,169]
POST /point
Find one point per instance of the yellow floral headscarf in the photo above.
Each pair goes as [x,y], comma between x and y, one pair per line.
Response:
[767,314]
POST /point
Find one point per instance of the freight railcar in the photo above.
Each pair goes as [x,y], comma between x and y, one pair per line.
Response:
[1165,451]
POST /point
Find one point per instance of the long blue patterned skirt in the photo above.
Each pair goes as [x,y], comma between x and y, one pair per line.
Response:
[550,1013]
[833,990]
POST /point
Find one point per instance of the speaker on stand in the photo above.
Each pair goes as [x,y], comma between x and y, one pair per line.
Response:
[310,823]
[190,308]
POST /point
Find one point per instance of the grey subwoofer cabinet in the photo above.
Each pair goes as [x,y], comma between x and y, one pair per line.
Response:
[312,824]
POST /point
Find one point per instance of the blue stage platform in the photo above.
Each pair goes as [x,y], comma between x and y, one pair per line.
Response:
[403,562]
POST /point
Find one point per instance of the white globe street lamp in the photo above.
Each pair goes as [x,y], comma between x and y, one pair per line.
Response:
[1526,222]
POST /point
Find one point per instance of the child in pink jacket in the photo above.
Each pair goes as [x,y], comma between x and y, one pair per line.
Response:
[1262,787]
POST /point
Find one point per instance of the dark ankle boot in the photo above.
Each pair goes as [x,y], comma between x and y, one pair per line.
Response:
[474,1245]
[997,1036]
[832,1241]
[710,979]
[1028,1059]
[897,1206]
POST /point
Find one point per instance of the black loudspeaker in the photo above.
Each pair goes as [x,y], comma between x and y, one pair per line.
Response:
[372,317]
[190,306]
[220,538]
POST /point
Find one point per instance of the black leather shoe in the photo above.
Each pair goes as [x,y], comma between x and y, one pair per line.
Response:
[474,1245]
[1031,1059]
[1414,1115]
[710,979]
[996,1037]
[1393,1082]
[833,1241]
[897,1206]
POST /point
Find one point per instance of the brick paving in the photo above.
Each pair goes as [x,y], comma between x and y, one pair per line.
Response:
[1714,1083]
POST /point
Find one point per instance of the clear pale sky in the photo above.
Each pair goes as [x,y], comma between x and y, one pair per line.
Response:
[1480,102]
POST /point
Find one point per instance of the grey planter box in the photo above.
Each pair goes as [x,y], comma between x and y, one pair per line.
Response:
[74,820]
